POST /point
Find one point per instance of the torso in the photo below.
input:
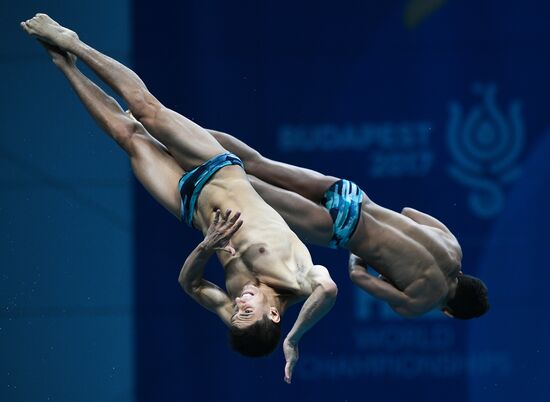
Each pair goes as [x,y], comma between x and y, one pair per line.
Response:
[408,254]
[267,251]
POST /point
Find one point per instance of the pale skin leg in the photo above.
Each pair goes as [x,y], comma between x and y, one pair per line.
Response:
[157,171]
[191,145]
[187,142]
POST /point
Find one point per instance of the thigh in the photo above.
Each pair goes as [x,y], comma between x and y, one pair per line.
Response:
[310,221]
[157,171]
[189,144]
[305,182]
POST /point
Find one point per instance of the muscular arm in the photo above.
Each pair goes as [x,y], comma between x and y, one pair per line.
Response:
[202,291]
[424,219]
[317,305]
[191,279]
[377,287]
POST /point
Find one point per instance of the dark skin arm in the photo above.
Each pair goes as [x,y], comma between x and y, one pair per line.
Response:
[378,287]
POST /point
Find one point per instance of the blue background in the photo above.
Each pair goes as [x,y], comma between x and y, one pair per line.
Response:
[439,105]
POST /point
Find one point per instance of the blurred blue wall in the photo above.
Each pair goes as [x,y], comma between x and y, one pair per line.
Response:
[433,104]
[438,105]
[66,281]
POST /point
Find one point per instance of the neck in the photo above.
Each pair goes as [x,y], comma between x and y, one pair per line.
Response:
[451,293]
[274,298]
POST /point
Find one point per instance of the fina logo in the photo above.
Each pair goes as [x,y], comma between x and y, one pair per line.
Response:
[485,146]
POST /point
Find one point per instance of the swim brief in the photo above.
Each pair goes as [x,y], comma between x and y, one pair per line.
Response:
[343,200]
[191,183]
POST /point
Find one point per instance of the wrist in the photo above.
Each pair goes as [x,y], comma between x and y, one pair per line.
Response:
[205,247]
[292,338]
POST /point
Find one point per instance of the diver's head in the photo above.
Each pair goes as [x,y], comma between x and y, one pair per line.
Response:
[255,325]
[471,299]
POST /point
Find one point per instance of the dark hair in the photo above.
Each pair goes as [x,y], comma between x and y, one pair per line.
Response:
[471,298]
[258,339]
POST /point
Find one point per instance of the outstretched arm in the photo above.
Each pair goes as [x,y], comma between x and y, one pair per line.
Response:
[191,278]
[317,305]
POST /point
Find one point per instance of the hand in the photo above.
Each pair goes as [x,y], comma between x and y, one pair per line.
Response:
[220,231]
[291,356]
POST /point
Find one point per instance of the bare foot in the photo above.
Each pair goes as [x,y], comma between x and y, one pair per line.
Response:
[61,58]
[47,30]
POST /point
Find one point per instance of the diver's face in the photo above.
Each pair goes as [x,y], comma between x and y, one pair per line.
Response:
[249,307]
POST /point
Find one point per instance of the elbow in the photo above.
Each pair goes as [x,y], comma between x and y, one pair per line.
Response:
[330,289]
[185,285]
[355,275]
[182,283]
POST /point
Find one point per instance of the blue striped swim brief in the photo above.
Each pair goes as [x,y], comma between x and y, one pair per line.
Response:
[191,183]
[343,201]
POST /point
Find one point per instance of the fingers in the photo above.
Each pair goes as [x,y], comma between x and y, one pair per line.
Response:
[288,372]
[217,216]
[235,217]
[224,218]
[234,228]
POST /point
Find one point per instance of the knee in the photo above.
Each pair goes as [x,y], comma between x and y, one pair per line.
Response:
[254,160]
[143,105]
[124,132]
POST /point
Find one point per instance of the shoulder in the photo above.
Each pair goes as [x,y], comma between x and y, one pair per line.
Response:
[426,292]
[319,276]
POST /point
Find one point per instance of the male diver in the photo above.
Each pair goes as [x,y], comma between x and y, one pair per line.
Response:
[417,256]
[267,267]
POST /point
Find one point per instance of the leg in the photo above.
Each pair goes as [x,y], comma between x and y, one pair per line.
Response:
[306,182]
[155,169]
[189,143]
[310,221]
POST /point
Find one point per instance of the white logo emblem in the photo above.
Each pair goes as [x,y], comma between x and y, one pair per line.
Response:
[485,146]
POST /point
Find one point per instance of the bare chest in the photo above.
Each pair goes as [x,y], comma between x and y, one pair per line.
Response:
[261,264]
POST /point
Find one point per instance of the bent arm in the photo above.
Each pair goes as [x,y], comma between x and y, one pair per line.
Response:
[377,287]
[317,305]
[202,291]
[191,279]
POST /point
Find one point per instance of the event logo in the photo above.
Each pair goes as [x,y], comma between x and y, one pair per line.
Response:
[387,149]
[485,145]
